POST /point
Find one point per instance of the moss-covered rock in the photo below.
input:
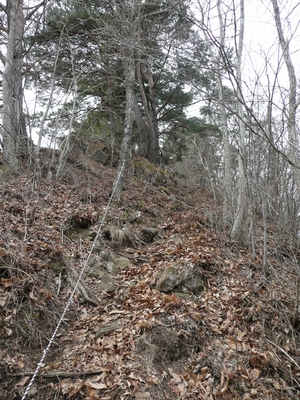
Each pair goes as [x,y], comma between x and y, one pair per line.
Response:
[122,263]
[153,173]
[180,278]
[106,329]
[149,234]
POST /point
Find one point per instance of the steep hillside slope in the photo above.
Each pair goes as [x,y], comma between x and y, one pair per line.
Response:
[167,307]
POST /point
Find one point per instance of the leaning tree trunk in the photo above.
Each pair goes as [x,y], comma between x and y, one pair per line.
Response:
[14,129]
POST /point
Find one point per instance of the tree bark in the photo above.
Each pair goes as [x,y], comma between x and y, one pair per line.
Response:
[292,104]
[15,141]
[238,227]
[228,191]
[130,12]
[142,129]
[129,73]
[154,133]
[66,145]
[149,106]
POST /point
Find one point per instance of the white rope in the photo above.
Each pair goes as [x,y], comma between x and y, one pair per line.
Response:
[46,350]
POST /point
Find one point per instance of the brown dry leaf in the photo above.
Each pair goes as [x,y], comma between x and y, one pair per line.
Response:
[142,396]
[258,308]
[213,310]
[215,329]
[91,392]
[254,374]
[196,316]
[71,387]
[176,378]
[3,252]
[178,388]
[231,342]
[258,361]
[92,395]
[95,385]
[226,324]
[3,298]
[54,365]
[23,381]
[8,331]
[239,333]
[181,389]
[226,297]
[95,397]
[118,312]
[33,297]
[223,387]
[277,385]
[20,364]
[143,326]
[6,282]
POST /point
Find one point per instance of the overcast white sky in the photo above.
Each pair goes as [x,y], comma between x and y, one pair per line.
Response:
[260,31]
[261,52]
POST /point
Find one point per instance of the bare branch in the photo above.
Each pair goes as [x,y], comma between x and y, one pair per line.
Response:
[3,8]
[33,9]
[2,58]
[3,28]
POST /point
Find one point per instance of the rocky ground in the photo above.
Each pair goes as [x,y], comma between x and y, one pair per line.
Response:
[168,307]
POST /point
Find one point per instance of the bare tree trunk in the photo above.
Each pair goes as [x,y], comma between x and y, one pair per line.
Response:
[130,12]
[238,228]
[66,148]
[292,105]
[15,141]
[228,190]
[45,115]
[154,134]
[142,129]
[129,72]
[150,112]
[265,251]
[112,116]
[220,68]
[67,141]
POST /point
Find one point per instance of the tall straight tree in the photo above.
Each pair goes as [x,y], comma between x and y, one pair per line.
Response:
[14,136]
[293,103]
[227,202]
[237,231]
[128,12]
[13,128]
[233,21]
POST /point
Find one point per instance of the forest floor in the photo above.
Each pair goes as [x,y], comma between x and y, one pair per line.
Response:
[235,339]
